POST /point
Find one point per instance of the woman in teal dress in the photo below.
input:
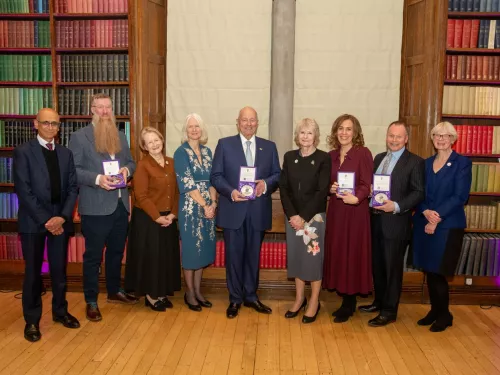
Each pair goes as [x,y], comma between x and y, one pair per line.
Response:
[197,205]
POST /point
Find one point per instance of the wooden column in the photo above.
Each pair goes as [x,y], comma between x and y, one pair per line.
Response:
[422,59]
[150,55]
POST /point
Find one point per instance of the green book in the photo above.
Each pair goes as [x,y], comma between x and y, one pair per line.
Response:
[485,178]
[29,100]
[473,186]
[2,71]
[23,74]
[49,67]
[22,109]
[36,68]
[480,178]
[16,102]
[29,69]
[43,69]
[2,100]
[15,69]
[491,178]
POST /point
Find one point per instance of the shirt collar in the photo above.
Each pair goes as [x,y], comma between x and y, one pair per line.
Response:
[397,154]
[44,143]
[244,140]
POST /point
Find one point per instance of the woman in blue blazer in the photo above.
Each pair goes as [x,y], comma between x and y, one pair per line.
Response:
[439,222]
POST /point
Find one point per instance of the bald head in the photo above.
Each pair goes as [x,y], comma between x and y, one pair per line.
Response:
[248,122]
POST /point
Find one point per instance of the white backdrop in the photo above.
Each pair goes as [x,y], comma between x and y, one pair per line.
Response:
[218,61]
[348,60]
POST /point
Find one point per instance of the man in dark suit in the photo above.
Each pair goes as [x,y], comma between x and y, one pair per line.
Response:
[104,208]
[391,222]
[46,187]
[244,220]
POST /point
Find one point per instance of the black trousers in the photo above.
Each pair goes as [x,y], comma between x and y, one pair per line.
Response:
[387,266]
[33,245]
[100,231]
[438,288]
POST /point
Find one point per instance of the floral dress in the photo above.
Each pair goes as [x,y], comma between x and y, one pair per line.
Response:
[197,232]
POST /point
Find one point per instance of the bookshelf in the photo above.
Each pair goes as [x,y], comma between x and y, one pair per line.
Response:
[61,42]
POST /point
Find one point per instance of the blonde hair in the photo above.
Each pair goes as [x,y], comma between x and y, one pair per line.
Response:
[147,130]
[307,123]
[201,123]
[447,127]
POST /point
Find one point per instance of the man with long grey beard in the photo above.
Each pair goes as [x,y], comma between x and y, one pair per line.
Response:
[103,203]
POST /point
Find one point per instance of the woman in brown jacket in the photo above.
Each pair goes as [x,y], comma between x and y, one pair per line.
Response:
[153,254]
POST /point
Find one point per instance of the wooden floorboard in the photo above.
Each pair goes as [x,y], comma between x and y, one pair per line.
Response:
[137,340]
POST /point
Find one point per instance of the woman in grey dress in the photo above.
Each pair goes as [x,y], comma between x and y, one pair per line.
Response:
[304,185]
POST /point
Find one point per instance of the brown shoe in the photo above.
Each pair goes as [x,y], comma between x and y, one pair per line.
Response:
[131,297]
[121,297]
[93,313]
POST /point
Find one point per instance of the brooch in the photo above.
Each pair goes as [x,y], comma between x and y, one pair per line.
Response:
[260,148]
[449,164]
[312,162]
[296,161]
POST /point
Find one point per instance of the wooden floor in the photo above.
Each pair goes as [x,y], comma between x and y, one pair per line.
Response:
[136,340]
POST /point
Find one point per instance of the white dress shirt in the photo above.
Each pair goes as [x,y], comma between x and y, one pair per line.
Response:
[44,143]
[252,146]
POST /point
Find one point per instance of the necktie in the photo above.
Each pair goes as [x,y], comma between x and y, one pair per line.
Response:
[248,155]
[387,161]
[49,146]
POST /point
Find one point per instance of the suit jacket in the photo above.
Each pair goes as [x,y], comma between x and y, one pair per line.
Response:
[448,192]
[407,189]
[32,186]
[228,158]
[88,162]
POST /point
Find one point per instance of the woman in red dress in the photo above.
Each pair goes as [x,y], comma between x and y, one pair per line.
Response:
[348,263]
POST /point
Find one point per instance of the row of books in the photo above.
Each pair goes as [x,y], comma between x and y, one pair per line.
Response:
[480,255]
[477,139]
[474,5]
[24,34]
[272,255]
[467,67]
[24,6]
[92,68]
[26,68]
[92,34]
[483,216]
[91,6]
[77,101]
[471,100]
[9,206]
[14,132]
[24,100]
[473,34]
[485,178]
[6,170]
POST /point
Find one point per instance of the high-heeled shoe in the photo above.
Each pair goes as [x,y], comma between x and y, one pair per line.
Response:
[442,323]
[292,314]
[428,319]
[309,319]
[166,302]
[205,303]
[157,306]
[196,308]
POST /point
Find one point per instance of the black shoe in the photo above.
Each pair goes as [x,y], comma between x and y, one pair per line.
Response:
[428,319]
[166,302]
[205,303]
[442,323]
[32,332]
[369,308]
[344,313]
[292,314]
[309,319]
[68,320]
[232,310]
[258,306]
[196,308]
[380,321]
[157,306]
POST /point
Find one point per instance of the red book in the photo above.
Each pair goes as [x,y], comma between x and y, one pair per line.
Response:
[64,6]
[217,254]
[95,6]
[275,254]
[463,139]
[454,63]
[474,139]
[486,64]
[459,29]
[482,139]
[83,36]
[491,67]
[1,35]
[125,6]
[115,28]
[479,69]
[496,68]
[489,143]
[75,25]
[70,34]
[110,33]
[93,33]
[457,145]
[112,6]
[98,33]
[460,66]
[473,69]
[223,254]
[79,6]
[261,256]
[100,6]
[32,6]
[470,135]
[87,33]
[266,254]
[59,79]
[105,6]
[466,37]
[448,67]
[451,34]
[474,33]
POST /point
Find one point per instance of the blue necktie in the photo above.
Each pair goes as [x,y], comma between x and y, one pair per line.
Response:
[248,155]
[387,161]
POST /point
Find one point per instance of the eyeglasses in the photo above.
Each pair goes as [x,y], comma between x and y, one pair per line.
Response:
[442,136]
[103,107]
[47,124]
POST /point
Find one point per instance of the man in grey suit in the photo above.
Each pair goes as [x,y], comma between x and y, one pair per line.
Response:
[103,207]
[391,222]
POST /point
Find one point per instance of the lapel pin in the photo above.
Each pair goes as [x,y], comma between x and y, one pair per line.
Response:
[296,161]
[260,148]
[312,162]
[449,164]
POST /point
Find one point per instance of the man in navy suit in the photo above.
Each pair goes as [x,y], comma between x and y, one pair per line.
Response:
[46,186]
[244,220]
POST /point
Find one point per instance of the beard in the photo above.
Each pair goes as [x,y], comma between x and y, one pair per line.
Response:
[106,135]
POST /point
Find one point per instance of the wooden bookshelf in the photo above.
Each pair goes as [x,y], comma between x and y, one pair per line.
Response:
[17,117]
[494,231]
[476,15]
[491,156]
[90,16]
[114,83]
[24,16]
[24,83]
[485,117]
[489,194]
[92,50]
[88,117]
[478,51]
[6,184]
[25,50]
[470,82]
